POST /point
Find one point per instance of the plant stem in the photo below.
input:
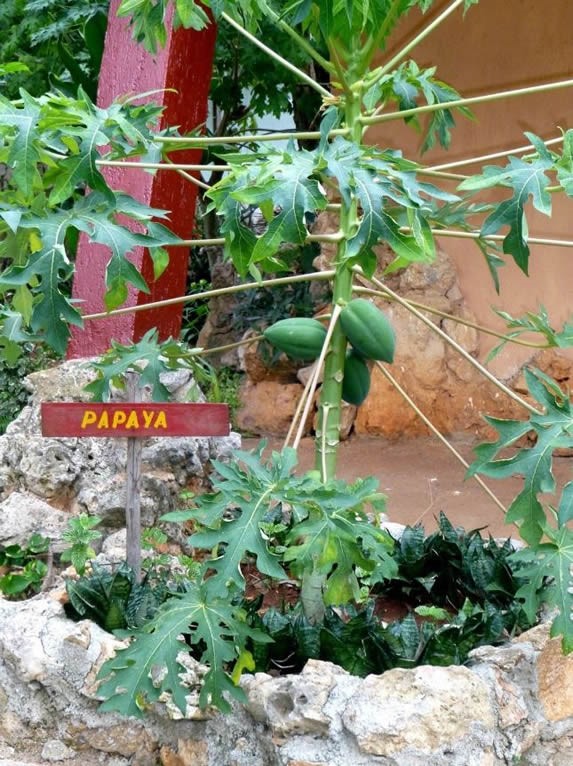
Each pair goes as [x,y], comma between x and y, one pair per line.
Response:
[451,342]
[315,276]
[314,383]
[277,57]
[330,406]
[382,33]
[228,346]
[461,102]
[160,165]
[300,404]
[392,380]
[389,65]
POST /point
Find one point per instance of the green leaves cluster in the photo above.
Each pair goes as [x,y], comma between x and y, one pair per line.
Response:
[149,667]
[289,188]
[530,179]
[545,528]
[54,190]
[23,567]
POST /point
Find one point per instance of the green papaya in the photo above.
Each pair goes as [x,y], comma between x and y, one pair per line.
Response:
[356,381]
[301,338]
[368,330]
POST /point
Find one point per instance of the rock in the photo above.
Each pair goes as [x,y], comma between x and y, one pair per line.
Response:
[23,514]
[55,750]
[268,407]
[294,704]
[422,712]
[555,678]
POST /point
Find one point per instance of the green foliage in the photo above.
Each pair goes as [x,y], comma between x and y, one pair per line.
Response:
[60,41]
[22,570]
[330,534]
[53,144]
[544,528]
[213,627]
[147,359]
[537,323]
[13,393]
[79,534]
[405,85]
[529,180]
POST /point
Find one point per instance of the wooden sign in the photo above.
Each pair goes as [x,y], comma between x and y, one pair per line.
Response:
[134,420]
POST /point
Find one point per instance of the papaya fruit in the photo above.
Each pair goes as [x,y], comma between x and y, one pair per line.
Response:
[368,330]
[301,338]
[356,381]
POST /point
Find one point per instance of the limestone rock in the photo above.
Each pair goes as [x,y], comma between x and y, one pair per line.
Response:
[555,678]
[23,514]
[423,711]
[294,704]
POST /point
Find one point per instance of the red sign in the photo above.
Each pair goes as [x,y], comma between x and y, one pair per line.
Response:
[134,420]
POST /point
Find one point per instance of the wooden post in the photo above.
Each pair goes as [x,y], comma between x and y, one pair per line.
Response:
[182,73]
[133,488]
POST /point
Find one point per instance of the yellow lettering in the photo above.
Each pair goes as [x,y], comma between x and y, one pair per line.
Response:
[103,421]
[119,418]
[147,418]
[132,420]
[160,420]
[89,418]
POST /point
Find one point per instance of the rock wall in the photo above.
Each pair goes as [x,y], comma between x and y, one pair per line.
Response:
[451,392]
[44,480]
[511,704]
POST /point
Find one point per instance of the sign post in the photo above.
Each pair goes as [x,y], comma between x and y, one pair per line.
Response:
[134,421]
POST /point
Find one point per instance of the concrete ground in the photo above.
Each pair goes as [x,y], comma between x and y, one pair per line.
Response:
[421,478]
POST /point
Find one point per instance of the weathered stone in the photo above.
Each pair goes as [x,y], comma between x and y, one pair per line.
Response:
[294,704]
[55,750]
[23,514]
[269,407]
[422,710]
[555,678]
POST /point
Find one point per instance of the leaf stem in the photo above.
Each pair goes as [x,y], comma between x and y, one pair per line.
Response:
[493,156]
[462,102]
[299,40]
[161,165]
[451,342]
[392,380]
[277,57]
[315,276]
[185,142]
[498,237]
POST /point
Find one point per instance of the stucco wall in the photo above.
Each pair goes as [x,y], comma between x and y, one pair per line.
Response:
[500,45]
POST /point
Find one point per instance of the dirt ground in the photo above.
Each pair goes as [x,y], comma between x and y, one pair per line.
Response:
[421,478]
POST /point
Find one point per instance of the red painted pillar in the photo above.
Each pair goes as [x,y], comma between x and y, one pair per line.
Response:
[183,68]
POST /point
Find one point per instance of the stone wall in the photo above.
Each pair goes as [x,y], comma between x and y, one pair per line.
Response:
[511,704]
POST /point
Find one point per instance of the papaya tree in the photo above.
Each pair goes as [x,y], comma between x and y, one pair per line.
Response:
[56,146]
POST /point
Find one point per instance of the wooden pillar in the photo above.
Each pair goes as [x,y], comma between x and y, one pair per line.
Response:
[183,68]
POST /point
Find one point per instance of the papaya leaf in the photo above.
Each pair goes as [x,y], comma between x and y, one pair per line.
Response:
[527,179]
[547,577]
[139,674]
[553,429]
[148,358]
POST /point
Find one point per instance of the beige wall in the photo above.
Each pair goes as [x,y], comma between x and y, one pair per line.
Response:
[503,44]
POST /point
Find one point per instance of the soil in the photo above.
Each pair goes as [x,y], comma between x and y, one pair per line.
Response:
[421,478]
